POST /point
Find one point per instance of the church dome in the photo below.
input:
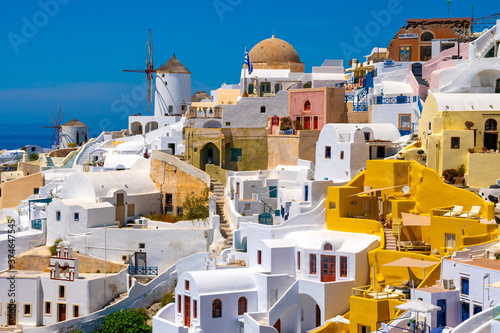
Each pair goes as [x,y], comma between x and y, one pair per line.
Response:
[274,50]
[275,53]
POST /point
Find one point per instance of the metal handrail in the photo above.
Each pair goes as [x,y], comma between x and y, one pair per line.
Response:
[142,270]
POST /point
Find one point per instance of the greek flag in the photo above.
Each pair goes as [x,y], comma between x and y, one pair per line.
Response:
[247,61]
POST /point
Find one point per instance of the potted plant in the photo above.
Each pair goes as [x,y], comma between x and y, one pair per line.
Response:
[448,174]
[297,125]
[469,124]
[471,150]
[485,149]
[285,124]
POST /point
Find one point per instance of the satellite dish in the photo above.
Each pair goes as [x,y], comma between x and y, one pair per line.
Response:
[406,190]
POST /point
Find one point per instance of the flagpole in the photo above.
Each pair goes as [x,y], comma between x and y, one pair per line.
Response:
[245,77]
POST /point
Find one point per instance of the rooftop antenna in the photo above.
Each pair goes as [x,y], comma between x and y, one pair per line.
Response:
[448,2]
[149,71]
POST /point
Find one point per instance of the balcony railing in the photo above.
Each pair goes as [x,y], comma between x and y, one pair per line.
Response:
[143,270]
[360,107]
[349,98]
[205,112]
[394,100]
[37,224]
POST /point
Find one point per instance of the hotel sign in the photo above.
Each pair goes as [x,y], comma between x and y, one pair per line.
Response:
[407,36]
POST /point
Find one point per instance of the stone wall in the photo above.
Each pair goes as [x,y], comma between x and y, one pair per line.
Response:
[29,168]
[172,176]
[287,149]
[61,152]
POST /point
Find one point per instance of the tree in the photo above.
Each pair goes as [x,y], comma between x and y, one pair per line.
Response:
[196,207]
[127,321]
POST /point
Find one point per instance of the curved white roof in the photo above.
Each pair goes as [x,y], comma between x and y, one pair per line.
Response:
[227,280]
[342,241]
[380,131]
[92,185]
[467,102]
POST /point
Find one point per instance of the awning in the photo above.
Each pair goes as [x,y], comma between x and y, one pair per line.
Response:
[410,220]
[375,190]
[408,262]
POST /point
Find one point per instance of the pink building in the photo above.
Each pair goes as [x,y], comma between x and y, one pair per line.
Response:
[315,107]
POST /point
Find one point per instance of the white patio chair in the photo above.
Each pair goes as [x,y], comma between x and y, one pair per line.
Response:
[473,214]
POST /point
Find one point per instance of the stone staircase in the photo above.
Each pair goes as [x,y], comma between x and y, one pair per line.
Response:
[217,189]
[118,298]
[390,240]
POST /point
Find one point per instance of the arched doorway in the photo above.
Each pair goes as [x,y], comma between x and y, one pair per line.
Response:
[135,128]
[151,126]
[491,134]
[209,154]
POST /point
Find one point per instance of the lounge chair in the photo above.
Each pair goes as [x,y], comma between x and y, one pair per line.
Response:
[473,214]
[456,211]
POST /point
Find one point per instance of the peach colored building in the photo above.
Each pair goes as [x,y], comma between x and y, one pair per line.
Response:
[315,107]
[414,41]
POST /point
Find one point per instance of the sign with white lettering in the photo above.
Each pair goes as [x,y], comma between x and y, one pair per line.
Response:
[407,36]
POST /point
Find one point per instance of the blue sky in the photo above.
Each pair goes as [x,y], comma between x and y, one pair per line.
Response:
[72,52]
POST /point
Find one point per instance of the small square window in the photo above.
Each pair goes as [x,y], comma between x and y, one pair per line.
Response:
[262,109]
[332,205]
[259,257]
[36,190]
[247,206]
[186,285]
[27,309]
[180,210]
[142,245]
[367,136]
[77,217]
[76,311]
[455,142]
[58,216]
[236,155]
[341,154]
[228,123]
[328,152]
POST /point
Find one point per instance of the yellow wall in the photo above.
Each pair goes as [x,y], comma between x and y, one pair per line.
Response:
[481,169]
[367,312]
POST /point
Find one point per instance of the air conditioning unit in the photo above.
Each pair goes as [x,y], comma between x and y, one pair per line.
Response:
[126,258]
[448,284]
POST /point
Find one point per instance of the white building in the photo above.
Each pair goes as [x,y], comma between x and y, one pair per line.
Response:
[42,298]
[395,97]
[284,286]
[343,149]
[273,196]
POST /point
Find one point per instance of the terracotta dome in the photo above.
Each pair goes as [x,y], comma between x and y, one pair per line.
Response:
[274,50]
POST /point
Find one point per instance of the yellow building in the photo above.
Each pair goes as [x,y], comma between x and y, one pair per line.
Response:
[458,129]
[415,201]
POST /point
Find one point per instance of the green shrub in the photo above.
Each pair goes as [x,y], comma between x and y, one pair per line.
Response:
[33,156]
[448,174]
[167,299]
[129,320]
[196,207]
[54,247]
[461,169]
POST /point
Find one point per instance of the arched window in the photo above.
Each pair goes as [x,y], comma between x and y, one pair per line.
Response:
[490,125]
[216,308]
[427,37]
[242,305]
[327,247]
[307,106]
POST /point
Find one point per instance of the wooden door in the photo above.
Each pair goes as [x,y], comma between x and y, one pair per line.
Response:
[61,312]
[327,268]
[277,325]
[120,208]
[187,311]
[307,123]
[12,314]
[490,140]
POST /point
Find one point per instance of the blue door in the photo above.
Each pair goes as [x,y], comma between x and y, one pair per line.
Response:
[273,191]
[306,193]
[441,314]
[266,218]
[465,311]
